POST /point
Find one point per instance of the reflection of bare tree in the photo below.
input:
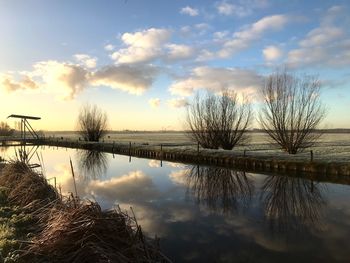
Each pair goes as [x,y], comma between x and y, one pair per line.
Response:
[92,164]
[291,203]
[219,188]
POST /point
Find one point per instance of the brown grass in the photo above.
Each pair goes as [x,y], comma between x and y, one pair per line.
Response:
[25,187]
[81,232]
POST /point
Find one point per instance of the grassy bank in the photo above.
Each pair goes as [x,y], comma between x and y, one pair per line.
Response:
[39,225]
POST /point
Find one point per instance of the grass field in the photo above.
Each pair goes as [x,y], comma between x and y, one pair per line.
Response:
[331,146]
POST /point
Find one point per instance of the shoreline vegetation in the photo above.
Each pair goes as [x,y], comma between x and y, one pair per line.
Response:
[38,224]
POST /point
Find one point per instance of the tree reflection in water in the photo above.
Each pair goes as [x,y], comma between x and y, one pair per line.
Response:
[291,203]
[92,164]
[220,189]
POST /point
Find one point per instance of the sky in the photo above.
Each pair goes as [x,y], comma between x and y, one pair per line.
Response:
[143,61]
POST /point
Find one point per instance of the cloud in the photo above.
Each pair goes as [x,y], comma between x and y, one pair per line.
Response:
[86,60]
[272,53]
[244,8]
[65,79]
[216,79]
[179,177]
[154,163]
[326,45]
[142,46]
[244,38]
[220,34]
[123,188]
[225,8]
[178,103]
[9,84]
[154,102]
[179,52]
[134,79]
[109,47]
[189,11]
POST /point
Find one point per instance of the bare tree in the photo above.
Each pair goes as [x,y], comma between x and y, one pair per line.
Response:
[218,120]
[292,111]
[92,123]
[5,129]
[234,119]
[201,115]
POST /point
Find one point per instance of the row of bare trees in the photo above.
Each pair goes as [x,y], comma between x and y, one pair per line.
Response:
[290,115]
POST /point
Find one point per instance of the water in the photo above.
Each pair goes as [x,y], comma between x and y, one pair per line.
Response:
[210,214]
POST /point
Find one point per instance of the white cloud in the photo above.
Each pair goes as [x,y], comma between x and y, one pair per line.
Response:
[154,163]
[244,38]
[154,102]
[109,47]
[180,176]
[185,30]
[220,34]
[272,53]
[177,52]
[241,9]
[326,45]
[134,79]
[321,36]
[178,103]
[216,79]
[189,11]
[120,188]
[225,8]
[65,79]
[86,60]
[142,46]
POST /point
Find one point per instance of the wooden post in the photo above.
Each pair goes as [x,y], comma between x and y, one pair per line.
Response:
[198,148]
[312,155]
[75,186]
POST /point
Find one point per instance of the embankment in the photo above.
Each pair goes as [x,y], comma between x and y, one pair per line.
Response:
[250,163]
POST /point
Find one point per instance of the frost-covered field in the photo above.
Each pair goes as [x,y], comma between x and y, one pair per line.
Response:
[331,147]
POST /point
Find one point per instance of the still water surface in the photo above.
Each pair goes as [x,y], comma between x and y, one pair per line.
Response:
[211,214]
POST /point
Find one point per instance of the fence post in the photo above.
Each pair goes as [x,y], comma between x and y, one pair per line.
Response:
[197,148]
[244,153]
[312,155]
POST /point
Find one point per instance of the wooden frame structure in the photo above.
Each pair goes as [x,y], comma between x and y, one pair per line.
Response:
[25,125]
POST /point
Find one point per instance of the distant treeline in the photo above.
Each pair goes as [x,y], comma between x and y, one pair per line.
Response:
[340,130]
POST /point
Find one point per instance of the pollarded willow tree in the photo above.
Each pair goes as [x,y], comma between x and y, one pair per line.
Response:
[92,123]
[218,120]
[292,111]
